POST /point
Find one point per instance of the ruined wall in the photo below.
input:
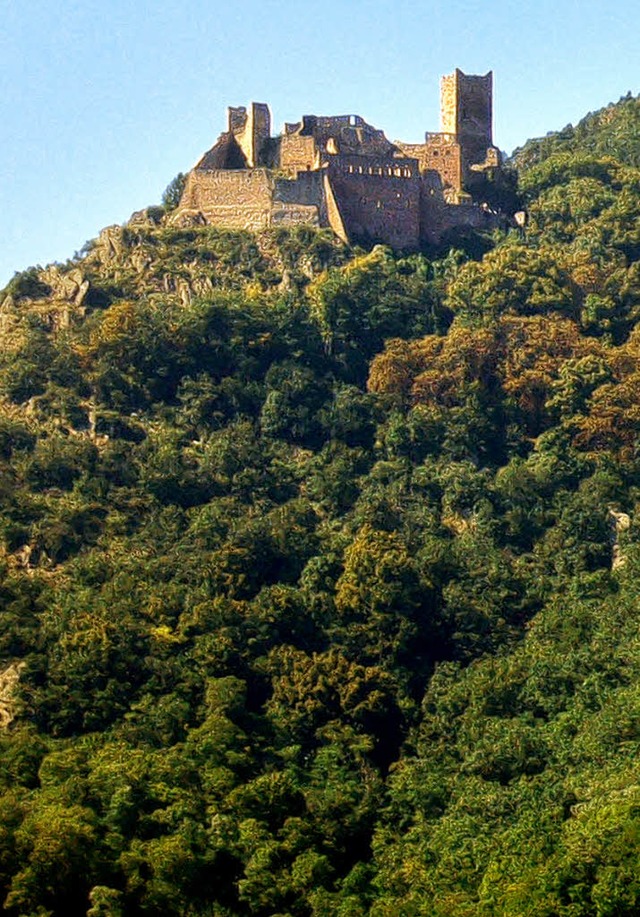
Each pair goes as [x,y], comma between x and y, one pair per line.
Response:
[300,200]
[335,220]
[378,200]
[438,217]
[363,141]
[297,153]
[305,144]
[411,150]
[261,127]
[294,215]
[251,128]
[234,199]
[443,155]
[440,153]
[305,189]
[333,122]
[252,199]
[236,118]
[361,199]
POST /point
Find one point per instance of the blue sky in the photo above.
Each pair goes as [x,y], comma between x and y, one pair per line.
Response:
[101,104]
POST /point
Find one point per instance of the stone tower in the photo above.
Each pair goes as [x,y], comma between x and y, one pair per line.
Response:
[466,112]
[251,129]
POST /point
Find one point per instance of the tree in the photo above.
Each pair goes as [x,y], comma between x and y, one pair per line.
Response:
[173,192]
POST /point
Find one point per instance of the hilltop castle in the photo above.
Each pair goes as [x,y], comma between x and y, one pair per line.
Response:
[343,173]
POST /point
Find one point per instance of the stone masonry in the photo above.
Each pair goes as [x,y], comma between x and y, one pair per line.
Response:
[342,173]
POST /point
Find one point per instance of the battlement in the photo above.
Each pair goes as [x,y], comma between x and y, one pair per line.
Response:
[343,172]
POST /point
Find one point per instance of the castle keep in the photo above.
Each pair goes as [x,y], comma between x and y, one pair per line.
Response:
[342,173]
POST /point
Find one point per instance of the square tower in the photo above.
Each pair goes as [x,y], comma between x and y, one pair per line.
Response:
[251,129]
[466,111]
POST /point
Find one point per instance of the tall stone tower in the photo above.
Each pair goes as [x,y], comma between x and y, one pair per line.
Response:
[251,129]
[466,111]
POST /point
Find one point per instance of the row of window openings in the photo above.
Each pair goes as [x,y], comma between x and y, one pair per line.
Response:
[380,205]
[379,170]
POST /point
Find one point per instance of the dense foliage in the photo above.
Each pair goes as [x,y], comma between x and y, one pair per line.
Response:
[611,131]
[319,568]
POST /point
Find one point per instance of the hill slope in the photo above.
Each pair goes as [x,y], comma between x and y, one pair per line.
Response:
[319,570]
[611,131]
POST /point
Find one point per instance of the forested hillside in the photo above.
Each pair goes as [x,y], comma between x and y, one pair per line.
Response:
[319,568]
[612,131]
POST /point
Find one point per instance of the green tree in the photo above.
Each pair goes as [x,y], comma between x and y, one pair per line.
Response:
[173,192]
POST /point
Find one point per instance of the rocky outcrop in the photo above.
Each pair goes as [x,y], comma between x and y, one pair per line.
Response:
[110,243]
[9,679]
[150,216]
[70,286]
[186,218]
[620,524]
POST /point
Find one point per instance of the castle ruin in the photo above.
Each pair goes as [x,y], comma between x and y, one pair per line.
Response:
[342,173]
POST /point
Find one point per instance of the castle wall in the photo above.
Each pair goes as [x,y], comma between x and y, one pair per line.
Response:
[305,189]
[334,216]
[235,199]
[378,200]
[388,201]
[294,214]
[335,122]
[440,153]
[297,153]
[437,217]
[300,200]
[303,145]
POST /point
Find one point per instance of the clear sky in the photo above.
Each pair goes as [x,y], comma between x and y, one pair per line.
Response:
[102,103]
